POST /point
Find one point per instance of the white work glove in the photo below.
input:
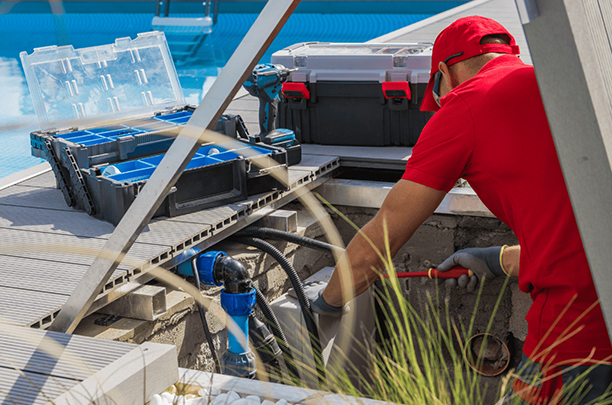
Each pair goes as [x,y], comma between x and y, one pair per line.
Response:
[484,262]
[314,291]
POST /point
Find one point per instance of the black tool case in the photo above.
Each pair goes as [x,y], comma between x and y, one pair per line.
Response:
[108,114]
[354,94]
[218,174]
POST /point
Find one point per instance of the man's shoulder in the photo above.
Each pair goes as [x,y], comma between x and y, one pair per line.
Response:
[504,78]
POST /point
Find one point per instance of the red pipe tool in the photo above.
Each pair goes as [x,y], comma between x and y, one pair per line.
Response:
[455,272]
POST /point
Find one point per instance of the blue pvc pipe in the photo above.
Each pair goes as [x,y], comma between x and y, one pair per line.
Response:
[234,345]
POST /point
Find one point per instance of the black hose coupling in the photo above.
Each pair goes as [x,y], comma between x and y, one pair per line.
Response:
[233,274]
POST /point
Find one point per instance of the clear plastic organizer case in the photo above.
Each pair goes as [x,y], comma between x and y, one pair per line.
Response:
[102,84]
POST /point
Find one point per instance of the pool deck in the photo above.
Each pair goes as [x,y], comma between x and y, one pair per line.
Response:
[503,11]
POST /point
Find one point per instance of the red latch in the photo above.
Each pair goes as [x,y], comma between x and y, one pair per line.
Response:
[396,90]
[295,90]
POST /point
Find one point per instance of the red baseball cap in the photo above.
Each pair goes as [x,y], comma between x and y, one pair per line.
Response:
[464,36]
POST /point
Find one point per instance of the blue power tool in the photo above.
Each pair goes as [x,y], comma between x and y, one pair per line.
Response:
[265,83]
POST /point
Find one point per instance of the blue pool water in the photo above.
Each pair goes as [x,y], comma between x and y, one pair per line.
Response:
[23,32]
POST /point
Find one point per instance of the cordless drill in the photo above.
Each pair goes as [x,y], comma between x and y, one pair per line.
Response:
[265,83]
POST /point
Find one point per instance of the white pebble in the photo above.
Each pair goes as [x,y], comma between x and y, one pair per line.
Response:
[226,399]
[253,400]
[282,402]
[196,401]
[203,392]
[241,401]
[156,400]
[168,397]
[221,399]
[266,402]
[232,396]
[180,400]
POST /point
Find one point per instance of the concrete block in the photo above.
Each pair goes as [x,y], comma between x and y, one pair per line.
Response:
[283,220]
[521,302]
[147,303]
[132,379]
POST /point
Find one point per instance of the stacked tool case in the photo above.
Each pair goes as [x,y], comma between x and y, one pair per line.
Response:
[108,113]
[127,140]
[354,94]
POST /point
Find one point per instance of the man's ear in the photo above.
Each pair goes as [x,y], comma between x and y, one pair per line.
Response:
[449,79]
[443,68]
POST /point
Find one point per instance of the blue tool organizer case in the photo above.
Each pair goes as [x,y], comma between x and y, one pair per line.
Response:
[108,113]
[142,169]
[126,140]
[217,174]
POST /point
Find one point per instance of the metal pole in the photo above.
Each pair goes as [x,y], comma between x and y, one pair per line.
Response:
[215,11]
[241,64]
[207,8]
[572,55]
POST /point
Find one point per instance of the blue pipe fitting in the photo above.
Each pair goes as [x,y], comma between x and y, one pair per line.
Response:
[238,364]
[185,268]
[205,264]
[238,306]
[239,360]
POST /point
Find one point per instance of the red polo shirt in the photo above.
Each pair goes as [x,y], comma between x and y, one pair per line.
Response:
[492,131]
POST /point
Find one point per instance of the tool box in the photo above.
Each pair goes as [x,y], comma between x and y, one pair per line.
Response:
[354,94]
[126,140]
[107,115]
[218,174]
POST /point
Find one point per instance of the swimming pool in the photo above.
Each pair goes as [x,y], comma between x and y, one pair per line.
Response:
[23,32]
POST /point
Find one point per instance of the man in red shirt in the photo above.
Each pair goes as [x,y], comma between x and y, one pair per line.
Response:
[491,129]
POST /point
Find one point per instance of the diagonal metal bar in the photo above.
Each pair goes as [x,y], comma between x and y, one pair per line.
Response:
[241,64]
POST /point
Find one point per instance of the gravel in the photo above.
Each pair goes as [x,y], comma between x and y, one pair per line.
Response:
[216,398]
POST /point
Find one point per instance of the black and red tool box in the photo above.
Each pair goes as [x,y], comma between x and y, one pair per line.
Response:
[354,94]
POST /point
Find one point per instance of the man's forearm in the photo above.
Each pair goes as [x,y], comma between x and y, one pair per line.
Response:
[362,259]
[511,259]
[403,211]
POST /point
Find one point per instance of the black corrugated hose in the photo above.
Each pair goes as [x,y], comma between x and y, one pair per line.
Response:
[202,312]
[271,233]
[311,326]
[265,309]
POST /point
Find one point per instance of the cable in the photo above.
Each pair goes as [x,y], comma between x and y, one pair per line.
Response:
[311,326]
[202,312]
[270,233]
[267,312]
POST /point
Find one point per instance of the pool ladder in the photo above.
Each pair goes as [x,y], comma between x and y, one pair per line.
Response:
[185,35]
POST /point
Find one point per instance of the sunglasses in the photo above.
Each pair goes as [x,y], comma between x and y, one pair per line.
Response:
[436,86]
